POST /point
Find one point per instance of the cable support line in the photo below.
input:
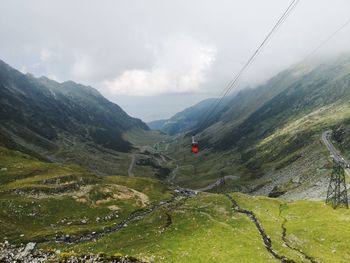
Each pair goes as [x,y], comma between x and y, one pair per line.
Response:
[232,83]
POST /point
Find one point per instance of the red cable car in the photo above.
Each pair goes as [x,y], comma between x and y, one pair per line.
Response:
[194,146]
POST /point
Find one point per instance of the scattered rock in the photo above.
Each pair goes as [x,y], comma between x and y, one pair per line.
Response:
[296,179]
[29,254]
[28,249]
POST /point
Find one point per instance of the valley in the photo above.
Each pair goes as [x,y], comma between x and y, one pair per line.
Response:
[111,188]
[155,222]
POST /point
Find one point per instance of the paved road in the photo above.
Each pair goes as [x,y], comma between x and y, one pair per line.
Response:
[217,182]
[166,147]
[156,146]
[336,155]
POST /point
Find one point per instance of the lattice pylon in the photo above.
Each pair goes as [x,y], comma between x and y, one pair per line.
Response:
[337,193]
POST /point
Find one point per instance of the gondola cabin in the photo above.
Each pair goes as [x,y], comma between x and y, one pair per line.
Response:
[194,146]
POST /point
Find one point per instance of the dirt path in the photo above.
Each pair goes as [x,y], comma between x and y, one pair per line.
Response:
[166,147]
[132,164]
[163,158]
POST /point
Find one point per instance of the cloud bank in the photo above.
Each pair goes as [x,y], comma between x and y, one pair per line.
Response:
[177,52]
[181,65]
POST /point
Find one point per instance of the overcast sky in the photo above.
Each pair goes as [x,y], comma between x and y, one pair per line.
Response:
[156,57]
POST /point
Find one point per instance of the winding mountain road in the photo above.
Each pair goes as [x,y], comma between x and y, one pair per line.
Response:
[217,183]
[336,155]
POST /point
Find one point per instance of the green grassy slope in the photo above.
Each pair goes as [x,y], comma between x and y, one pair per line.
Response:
[203,229]
[65,122]
[294,151]
[311,226]
[40,200]
[270,137]
[206,229]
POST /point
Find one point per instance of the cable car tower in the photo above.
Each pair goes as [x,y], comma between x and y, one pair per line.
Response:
[337,193]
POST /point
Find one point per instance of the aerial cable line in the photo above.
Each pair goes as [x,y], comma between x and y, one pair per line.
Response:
[251,59]
[232,83]
[324,42]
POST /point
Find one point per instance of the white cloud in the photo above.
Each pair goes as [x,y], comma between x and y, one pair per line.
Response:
[181,65]
[24,70]
[45,55]
[83,68]
[53,77]
[116,50]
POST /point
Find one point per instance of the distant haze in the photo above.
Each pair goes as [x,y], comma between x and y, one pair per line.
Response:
[157,57]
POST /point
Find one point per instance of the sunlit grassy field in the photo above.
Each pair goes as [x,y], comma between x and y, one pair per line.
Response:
[41,200]
[203,229]
[313,227]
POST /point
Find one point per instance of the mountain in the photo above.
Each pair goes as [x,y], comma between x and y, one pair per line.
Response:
[270,137]
[322,86]
[48,119]
[190,117]
[264,141]
[73,215]
[157,124]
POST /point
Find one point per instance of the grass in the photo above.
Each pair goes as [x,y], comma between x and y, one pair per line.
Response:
[155,190]
[312,227]
[206,229]
[39,200]
[319,230]
[144,138]
[292,150]
[203,229]
[317,120]
[199,170]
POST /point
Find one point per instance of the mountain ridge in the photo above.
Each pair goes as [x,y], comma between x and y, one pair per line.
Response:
[269,137]
[49,119]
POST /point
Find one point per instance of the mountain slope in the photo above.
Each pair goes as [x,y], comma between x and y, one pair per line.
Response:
[55,121]
[71,212]
[156,125]
[189,118]
[270,136]
[320,87]
[46,195]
